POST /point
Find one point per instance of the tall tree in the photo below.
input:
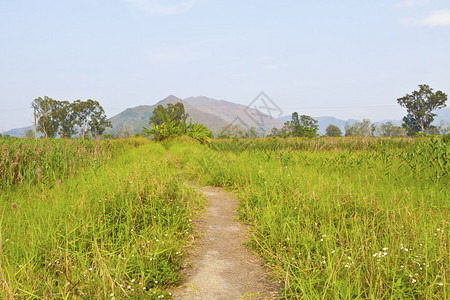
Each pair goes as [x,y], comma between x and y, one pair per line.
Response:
[90,117]
[29,134]
[420,106]
[98,121]
[333,130]
[66,118]
[360,129]
[388,129]
[45,109]
[175,111]
[305,126]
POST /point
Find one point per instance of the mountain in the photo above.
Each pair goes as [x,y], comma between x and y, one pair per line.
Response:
[18,132]
[215,114]
[234,113]
[133,119]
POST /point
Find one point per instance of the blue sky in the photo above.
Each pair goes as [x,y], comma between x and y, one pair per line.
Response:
[348,59]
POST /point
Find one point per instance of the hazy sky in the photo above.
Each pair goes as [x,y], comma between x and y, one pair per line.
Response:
[348,59]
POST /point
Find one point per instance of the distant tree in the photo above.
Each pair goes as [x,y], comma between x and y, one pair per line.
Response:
[173,124]
[420,106]
[45,109]
[176,111]
[305,126]
[388,129]
[333,130]
[432,130]
[98,122]
[237,131]
[444,127]
[90,117]
[29,134]
[123,132]
[274,132]
[251,133]
[65,117]
[363,128]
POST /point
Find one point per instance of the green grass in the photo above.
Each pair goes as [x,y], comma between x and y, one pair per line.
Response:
[334,218]
[117,230]
[25,162]
[340,223]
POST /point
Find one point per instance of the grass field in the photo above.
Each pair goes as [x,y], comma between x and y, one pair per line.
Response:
[333,218]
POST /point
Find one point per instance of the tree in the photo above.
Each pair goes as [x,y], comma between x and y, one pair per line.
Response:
[360,129]
[388,129]
[173,123]
[333,130]
[98,121]
[305,126]
[176,111]
[45,110]
[65,115]
[29,134]
[444,127]
[90,117]
[420,106]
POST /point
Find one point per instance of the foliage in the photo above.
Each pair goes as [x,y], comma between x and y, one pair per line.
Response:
[176,111]
[362,129]
[90,117]
[54,115]
[333,130]
[420,106]
[198,132]
[172,126]
[388,129]
[29,134]
[239,131]
[46,111]
[306,126]
[284,132]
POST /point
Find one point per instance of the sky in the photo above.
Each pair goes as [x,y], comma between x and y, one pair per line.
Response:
[347,59]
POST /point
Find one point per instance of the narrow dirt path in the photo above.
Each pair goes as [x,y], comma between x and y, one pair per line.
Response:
[222,267]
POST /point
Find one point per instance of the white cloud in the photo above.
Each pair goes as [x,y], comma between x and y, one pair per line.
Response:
[164,7]
[437,18]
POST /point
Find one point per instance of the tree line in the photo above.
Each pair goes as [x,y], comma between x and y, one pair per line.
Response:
[68,119]
[420,106]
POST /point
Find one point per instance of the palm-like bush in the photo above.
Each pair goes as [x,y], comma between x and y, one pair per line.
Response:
[199,132]
[171,127]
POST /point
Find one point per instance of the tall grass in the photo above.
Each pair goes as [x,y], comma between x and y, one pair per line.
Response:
[25,161]
[364,221]
[113,231]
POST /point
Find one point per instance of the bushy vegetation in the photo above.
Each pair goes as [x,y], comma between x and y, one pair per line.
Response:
[115,230]
[170,122]
[28,162]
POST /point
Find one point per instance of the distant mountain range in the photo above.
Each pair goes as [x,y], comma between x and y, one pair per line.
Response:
[217,114]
